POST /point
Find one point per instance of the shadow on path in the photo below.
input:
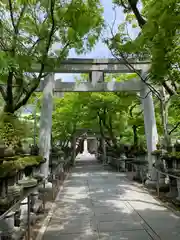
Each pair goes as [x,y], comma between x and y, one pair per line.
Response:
[98,203]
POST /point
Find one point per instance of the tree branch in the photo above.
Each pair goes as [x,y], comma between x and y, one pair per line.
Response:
[124,5]
[49,39]
[131,110]
[142,22]
[20,17]
[9,100]
[169,90]
[140,19]
[174,128]
[33,88]
[11,15]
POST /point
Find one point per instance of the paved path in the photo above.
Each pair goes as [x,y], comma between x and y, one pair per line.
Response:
[101,204]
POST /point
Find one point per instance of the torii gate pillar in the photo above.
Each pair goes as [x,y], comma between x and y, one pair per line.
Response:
[150,130]
[46,124]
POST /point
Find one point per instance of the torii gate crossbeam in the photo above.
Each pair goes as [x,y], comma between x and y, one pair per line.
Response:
[96,69]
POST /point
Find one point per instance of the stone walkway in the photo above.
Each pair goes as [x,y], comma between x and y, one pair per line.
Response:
[105,205]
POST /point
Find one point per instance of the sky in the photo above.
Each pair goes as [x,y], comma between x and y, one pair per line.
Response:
[100,50]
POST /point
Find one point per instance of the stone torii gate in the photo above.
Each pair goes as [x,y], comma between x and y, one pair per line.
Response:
[96,68]
[90,136]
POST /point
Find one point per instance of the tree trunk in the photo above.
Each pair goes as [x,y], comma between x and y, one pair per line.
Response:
[8,109]
[164,105]
[113,139]
[135,135]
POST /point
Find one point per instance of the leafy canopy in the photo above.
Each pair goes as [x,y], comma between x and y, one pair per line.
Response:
[158,25]
[107,114]
[35,30]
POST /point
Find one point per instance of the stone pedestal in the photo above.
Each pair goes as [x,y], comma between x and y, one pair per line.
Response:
[172,188]
[35,194]
[137,173]
[122,163]
[17,218]
[178,188]
[140,171]
[24,211]
[160,165]
[24,214]
[123,166]
[7,224]
[152,181]
[34,199]
[46,187]
[104,151]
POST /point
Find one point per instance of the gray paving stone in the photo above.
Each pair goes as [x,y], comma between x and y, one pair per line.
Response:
[71,219]
[104,210]
[104,196]
[116,226]
[74,212]
[143,205]
[161,223]
[75,190]
[148,214]
[110,203]
[79,202]
[96,201]
[171,234]
[115,217]
[71,210]
[81,236]
[68,227]
[126,235]
[101,191]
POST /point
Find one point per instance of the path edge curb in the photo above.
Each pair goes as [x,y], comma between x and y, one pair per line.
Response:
[47,219]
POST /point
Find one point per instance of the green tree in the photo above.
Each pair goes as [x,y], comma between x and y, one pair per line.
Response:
[32,31]
[158,38]
[108,114]
[66,117]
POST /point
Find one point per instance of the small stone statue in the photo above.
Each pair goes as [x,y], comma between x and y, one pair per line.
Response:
[177,146]
[2,148]
[34,150]
[19,148]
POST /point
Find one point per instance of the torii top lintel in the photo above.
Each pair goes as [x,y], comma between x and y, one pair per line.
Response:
[87,65]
